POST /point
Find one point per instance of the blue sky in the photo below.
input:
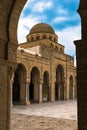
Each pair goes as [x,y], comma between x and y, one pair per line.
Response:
[60,14]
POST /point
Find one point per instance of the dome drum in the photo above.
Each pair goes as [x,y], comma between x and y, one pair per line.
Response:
[40,36]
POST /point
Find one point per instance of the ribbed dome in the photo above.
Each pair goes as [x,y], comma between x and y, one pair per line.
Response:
[42,28]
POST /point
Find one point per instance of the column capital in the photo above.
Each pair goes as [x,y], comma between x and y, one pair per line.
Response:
[28,80]
[10,72]
[41,81]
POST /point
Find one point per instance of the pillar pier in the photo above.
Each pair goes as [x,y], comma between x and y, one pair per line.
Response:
[11,84]
[9,95]
[27,102]
[59,91]
[6,70]
[40,92]
[81,56]
[52,91]
[81,51]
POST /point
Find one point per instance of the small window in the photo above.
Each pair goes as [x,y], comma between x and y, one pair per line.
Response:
[32,38]
[38,37]
[54,40]
[61,50]
[50,38]
[28,40]
[56,48]
[51,45]
[44,37]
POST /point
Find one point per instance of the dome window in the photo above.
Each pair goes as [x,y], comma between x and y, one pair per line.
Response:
[50,38]
[32,39]
[61,50]
[44,37]
[54,39]
[38,37]
[56,48]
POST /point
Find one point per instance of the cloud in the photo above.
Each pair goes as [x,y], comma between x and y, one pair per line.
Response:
[66,18]
[60,19]
[41,6]
[67,36]
[28,3]
[25,24]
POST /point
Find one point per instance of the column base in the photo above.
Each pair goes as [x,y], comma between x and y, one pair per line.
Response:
[27,103]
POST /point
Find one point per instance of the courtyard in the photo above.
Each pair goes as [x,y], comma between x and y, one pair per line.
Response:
[46,116]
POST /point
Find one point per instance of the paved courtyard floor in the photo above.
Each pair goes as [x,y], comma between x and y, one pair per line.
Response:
[58,109]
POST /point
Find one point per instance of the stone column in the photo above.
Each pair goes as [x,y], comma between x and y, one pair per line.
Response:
[27,102]
[11,84]
[65,89]
[73,91]
[10,77]
[52,90]
[5,96]
[59,91]
[40,91]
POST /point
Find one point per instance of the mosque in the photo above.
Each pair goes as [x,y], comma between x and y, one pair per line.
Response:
[44,72]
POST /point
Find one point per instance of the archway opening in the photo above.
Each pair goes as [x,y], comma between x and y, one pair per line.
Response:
[19,85]
[46,86]
[16,89]
[34,85]
[71,87]
[59,84]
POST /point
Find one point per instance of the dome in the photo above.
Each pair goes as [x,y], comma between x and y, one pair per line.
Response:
[42,28]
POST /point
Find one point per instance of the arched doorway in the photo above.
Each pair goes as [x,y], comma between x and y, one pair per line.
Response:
[71,87]
[34,85]
[16,89]
[59,84]
[46,86]
[19,85]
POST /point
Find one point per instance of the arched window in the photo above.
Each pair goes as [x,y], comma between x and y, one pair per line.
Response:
[51,45]
[37,37]
[32,38]
[61,50]
[44,36]
[50,38]
[56,48]
[54,39]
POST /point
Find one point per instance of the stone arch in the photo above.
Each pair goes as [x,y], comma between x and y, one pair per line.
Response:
[46,86]
[56,48]
[71,87]
[34,66]
[19,85]
[34,85]
[51,46]
[59,84]
[4,20]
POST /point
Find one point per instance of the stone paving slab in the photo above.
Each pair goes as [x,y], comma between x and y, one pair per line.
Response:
[59,109]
